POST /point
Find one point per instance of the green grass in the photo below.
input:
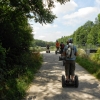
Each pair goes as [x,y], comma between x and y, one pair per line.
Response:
[89,64]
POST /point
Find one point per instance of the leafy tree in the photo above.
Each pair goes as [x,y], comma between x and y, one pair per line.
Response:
[37,9]
[16,38]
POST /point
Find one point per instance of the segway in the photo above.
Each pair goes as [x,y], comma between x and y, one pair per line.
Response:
[74,83]
[57,51]
[61,57]
[47,51]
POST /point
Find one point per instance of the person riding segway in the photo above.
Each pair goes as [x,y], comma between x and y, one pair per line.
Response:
[61,51]
[70,52]
[57,47]
[48,48]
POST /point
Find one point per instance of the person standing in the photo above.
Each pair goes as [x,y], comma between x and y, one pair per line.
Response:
[61,48]
[57,45]
[48,46]
[70,59]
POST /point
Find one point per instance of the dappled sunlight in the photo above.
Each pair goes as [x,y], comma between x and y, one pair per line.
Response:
[47,84]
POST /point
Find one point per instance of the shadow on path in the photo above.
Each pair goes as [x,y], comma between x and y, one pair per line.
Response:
[47,83]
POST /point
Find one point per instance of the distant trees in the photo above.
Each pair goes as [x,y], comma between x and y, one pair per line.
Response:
[43,43]
[89,33]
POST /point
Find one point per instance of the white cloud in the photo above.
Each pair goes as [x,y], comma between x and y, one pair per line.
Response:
[34,32]
[82,13]
[55,25]
[58,32]
[36,28]
[81,16]
[49,36]
[41,37]
[72,22]
[46,26]
[68,6]
[98,2]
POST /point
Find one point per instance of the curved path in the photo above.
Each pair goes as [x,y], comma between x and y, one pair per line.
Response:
[47,83]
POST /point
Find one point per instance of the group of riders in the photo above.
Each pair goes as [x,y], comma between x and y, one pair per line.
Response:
[70,62]
[59,46]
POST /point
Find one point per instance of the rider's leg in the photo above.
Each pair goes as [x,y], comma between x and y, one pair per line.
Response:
[72,69]
[58,48]
[61,52]
[67,65]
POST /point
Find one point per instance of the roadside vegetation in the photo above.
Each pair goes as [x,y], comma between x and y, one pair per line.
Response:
[19,63]
[39,49]
[90,62]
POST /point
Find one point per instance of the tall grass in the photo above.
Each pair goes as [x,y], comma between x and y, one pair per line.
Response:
[89,62]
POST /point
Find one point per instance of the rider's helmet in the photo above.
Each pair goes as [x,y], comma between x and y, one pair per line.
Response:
[70,40]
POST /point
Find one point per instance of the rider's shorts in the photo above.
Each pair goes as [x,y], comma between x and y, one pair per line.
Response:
[70,65]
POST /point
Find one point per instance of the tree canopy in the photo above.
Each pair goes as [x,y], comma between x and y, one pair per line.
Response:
[39,10]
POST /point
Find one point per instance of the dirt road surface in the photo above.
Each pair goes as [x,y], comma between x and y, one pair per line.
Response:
[47,84]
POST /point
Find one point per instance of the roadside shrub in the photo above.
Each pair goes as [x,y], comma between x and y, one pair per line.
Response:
[15,87]
[82,53]
[89,62]
[98,74]
[96,56]
[2,70]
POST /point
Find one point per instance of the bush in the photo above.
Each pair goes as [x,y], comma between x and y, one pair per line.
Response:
[96,56]
[89,63]
[2,70]
[15,87]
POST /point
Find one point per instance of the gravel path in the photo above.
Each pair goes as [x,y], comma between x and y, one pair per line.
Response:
[47,83]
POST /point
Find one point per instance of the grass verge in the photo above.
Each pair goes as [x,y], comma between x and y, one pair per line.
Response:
[91,66]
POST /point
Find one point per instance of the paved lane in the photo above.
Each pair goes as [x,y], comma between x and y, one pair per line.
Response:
[47,83]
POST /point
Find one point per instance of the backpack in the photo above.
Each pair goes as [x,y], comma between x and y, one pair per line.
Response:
[70,51]
[62,46]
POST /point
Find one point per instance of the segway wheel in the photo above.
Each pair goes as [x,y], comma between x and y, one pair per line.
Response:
[63,81]
[49,51]
[76,81]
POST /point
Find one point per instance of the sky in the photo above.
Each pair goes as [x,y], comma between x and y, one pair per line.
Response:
[70,17]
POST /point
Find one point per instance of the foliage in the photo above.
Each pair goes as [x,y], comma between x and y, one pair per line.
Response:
[86,35]
[3,70]
[15,87]
[96,56]
[89,64]
[35,9]
[43,43]
[16,58]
